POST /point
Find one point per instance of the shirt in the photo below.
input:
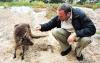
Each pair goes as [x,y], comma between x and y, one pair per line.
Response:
[67,24]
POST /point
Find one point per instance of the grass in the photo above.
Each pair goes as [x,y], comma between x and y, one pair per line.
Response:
[51,10]
[97,32]
[36,4]
[91,5]
[40,4]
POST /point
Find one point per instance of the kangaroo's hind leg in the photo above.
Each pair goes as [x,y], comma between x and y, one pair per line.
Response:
[23,48]
[15,51]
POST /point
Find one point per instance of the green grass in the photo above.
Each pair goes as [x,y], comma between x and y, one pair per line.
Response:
[97,32]
[38,4]
[98,3]
[51,10]
[92,5]
[14,4]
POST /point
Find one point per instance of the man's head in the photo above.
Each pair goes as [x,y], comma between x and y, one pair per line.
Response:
[64,11]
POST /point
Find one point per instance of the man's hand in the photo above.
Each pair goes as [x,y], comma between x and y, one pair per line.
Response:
[71,39]
[38,27]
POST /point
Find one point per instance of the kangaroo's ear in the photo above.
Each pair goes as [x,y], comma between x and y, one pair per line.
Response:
[16,25]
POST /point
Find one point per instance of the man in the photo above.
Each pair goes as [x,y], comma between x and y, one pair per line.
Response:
[72,25]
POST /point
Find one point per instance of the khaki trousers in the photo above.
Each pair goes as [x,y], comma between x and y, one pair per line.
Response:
[61,36]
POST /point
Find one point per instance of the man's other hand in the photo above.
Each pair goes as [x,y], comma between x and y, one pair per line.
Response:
[71,39]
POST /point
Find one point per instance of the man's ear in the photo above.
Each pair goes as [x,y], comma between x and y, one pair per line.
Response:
[69,14]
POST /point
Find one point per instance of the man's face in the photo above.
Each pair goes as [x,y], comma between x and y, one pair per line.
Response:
[62,15]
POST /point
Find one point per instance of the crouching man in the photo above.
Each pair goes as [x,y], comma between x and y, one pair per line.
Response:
[72,25]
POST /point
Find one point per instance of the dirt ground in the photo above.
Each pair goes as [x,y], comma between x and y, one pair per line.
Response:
[38,53]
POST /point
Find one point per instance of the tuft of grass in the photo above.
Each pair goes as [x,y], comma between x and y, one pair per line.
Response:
[98,32]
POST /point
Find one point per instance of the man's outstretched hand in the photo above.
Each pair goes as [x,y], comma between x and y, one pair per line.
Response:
[37,27]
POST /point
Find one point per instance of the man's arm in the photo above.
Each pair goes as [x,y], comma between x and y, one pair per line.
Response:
[51,24]
[88,28]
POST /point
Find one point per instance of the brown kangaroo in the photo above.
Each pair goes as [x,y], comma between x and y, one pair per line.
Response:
[22,37]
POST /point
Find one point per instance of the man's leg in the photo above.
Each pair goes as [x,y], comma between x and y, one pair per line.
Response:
[61,35]
[82,43]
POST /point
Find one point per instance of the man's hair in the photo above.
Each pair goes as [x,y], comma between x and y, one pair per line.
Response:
[66,7]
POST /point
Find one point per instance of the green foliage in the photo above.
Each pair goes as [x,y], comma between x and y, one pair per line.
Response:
[6,4]
[52,10]
[98,3]
[98,32]
[6,0]
[71,1]
[91,5]
[38,4]
[88,5]
[13,4]
[39,0]
[82,2]
[57,1]
[95,7]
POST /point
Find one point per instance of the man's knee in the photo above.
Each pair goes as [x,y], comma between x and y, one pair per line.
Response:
[60,35]
[86,40]
[58,32]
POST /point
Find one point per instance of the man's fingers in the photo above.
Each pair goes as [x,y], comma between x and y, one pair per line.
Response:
[37,27]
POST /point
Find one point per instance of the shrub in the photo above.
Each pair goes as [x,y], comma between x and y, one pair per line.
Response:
[52,10]
[98,3]
[38,4]
[96,6]
[57,1]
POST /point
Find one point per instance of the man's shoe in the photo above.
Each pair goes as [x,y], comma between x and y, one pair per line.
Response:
[80,58]
[63,53]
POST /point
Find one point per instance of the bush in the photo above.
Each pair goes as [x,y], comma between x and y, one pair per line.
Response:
[6,0]
[38,4]
[52,10]
[88,5]
[98,3]
[57,1]
[92,5]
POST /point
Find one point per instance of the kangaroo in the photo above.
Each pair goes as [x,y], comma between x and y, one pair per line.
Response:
[22,37]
